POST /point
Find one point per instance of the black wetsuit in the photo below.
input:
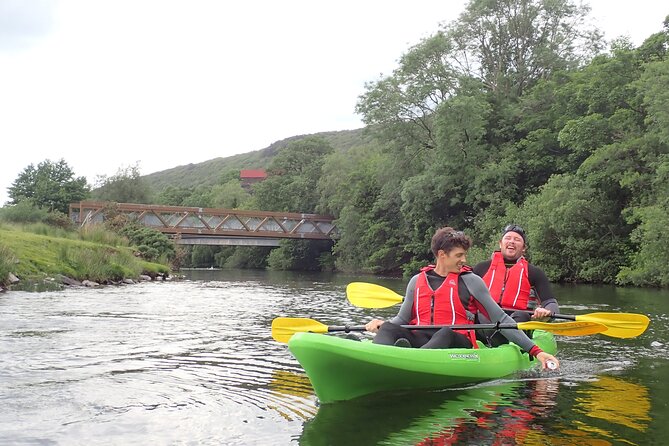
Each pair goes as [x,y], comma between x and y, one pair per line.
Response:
[541,287]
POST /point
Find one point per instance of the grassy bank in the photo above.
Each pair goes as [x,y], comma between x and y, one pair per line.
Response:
[34,257]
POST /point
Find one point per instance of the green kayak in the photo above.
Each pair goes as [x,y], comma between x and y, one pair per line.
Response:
[342,369]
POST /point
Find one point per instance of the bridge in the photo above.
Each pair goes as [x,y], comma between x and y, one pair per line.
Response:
[210,226]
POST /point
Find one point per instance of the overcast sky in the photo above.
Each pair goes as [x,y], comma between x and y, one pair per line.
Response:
[106,84]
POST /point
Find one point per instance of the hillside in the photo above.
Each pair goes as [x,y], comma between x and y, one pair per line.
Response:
[209,173]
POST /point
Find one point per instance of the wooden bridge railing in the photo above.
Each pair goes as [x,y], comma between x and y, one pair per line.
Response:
[210,221]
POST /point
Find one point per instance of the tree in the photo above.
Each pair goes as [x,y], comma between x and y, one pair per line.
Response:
[50,185]
[655,83]
[510,44]
[293,177]
[648,263]
[403,104]
[174,196]
[126,186]
[197,196]
[301,255]
[291,186]
[203,256]
[229,195]
[577,232]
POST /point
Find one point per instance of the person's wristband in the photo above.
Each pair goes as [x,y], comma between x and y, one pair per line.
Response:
[534,351]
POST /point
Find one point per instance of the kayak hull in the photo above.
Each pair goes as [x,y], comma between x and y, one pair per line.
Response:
[342,369]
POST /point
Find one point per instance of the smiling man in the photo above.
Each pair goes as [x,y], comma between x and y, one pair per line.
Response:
[515,284]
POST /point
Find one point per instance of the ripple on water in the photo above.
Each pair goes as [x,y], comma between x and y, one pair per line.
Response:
[83,358]
[193,362]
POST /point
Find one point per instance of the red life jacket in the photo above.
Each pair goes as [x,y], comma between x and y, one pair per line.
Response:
[441,306]
[509,287]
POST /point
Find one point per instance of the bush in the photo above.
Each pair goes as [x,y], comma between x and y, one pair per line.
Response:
[179,259]
[152,244]
[48,231]
[24,212]
[100,265]
[100,234]
[648,263]
[301,255]
[7,264]
[251,257]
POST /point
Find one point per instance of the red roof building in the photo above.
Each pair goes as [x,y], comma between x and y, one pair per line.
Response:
[251,176]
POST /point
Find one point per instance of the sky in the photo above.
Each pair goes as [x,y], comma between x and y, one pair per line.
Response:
[111,84]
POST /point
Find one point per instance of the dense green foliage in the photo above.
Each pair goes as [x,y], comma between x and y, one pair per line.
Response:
[292,183]
[529,130]
[292,186]
[302,255]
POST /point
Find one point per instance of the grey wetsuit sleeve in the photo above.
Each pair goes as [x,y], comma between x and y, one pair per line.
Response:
[480,292]
[404,316]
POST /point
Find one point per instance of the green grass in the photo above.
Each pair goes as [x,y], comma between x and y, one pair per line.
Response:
[92,233]
[7,263]
[98,234]
[35,256]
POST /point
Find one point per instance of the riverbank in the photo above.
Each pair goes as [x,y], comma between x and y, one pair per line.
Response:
[36,262]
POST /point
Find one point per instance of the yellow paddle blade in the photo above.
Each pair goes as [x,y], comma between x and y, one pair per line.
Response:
[576,328]
[618,325]
[368,295]
[283,328]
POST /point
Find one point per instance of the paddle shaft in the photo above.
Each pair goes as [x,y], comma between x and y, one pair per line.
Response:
[283,328]
[350,328]
[556,316]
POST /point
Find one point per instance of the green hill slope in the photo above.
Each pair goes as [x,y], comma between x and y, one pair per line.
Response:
[209,173]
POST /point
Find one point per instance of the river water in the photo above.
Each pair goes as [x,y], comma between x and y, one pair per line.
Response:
[193,362]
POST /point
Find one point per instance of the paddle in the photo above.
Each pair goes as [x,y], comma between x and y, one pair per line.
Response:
[368,295]
[618,325]
[283,328]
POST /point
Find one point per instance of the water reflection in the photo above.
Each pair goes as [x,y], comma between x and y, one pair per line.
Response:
[607,411]
[616,401]
[611,408]
[292,396]
[503,413]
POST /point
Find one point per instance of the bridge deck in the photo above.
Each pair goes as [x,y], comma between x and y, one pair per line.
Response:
[213,223]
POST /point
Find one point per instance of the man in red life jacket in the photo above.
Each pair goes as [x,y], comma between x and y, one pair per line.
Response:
[515,284]
[445,294]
